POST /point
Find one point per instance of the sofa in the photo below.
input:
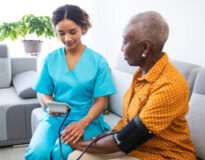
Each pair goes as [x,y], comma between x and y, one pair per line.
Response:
[122,75]
[17,100]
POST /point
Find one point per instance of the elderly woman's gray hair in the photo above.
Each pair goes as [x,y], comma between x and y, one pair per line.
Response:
[151,26]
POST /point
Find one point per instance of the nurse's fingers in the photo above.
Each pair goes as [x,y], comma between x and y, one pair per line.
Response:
[78,138]
[68,132]
[74,138]
[67,135]
[69,138]
[55,114]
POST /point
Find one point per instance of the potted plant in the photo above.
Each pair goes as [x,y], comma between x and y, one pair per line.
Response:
[29,25]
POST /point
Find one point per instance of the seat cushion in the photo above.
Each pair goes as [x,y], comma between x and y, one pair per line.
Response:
[9,96]
[38,113]
[112,119]
[13,113]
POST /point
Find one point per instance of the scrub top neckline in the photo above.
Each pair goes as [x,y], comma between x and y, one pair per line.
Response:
[79,61]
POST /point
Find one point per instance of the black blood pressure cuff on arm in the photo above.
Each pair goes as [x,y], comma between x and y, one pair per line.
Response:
[132,135]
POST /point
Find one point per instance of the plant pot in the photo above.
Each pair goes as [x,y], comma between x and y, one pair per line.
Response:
[32,47]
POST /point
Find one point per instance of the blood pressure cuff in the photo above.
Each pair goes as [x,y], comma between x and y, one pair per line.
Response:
[132,135]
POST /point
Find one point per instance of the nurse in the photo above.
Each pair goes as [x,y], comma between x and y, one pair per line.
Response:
[76,75]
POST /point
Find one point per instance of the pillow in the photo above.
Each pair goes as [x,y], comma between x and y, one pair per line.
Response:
[23,82]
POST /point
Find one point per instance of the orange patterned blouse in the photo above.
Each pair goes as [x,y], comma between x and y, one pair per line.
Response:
[160,99]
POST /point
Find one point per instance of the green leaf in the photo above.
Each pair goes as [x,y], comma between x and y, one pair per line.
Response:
[28,24]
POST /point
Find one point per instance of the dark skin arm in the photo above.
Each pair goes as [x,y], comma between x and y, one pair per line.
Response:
[102,146]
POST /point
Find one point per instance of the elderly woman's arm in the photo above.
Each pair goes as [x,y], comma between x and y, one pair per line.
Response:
[104,145]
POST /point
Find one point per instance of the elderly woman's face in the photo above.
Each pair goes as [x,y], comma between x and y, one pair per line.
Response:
[131,47]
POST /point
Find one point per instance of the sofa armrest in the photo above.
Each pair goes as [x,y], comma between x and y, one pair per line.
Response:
[19,65]
[39,100]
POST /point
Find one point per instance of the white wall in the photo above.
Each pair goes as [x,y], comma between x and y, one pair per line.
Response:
[13,10]
[186,19]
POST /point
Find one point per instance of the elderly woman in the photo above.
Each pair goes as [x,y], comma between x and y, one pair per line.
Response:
[153,125]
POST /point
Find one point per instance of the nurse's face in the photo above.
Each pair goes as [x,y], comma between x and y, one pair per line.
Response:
[69,33]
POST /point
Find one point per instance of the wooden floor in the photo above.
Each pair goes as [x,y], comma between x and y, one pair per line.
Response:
[16,152]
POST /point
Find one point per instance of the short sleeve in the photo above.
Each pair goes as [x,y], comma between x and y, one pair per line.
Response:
[104,84]
[163,106]
[44,83]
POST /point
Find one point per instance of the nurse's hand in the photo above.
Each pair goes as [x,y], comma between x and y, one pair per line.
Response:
[73,132]
[55,114]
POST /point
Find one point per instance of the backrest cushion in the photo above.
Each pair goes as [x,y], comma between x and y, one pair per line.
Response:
[196,114]
[122,82]
[23,64]
[188,70]
[122,65]
[5,67]
[199,86]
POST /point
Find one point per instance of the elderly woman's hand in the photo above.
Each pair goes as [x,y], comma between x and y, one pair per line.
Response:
[73,132]
[102,146]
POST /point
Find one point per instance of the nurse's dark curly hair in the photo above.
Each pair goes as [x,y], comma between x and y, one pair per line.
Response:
[71,12]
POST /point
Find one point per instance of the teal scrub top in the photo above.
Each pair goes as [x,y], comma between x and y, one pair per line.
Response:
[89,79]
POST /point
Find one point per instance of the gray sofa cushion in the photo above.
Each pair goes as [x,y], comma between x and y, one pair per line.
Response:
[23,84]
[36,115]
[5,72]
[122,82]
[122,65]
[188,70]
[8,99]
[23,64]
[3,51]
[184,67]
[199,86]
[112,119]
[196,114]
[196,121]
[5,67]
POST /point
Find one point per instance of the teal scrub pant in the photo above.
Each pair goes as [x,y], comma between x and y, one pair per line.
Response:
[44,144]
